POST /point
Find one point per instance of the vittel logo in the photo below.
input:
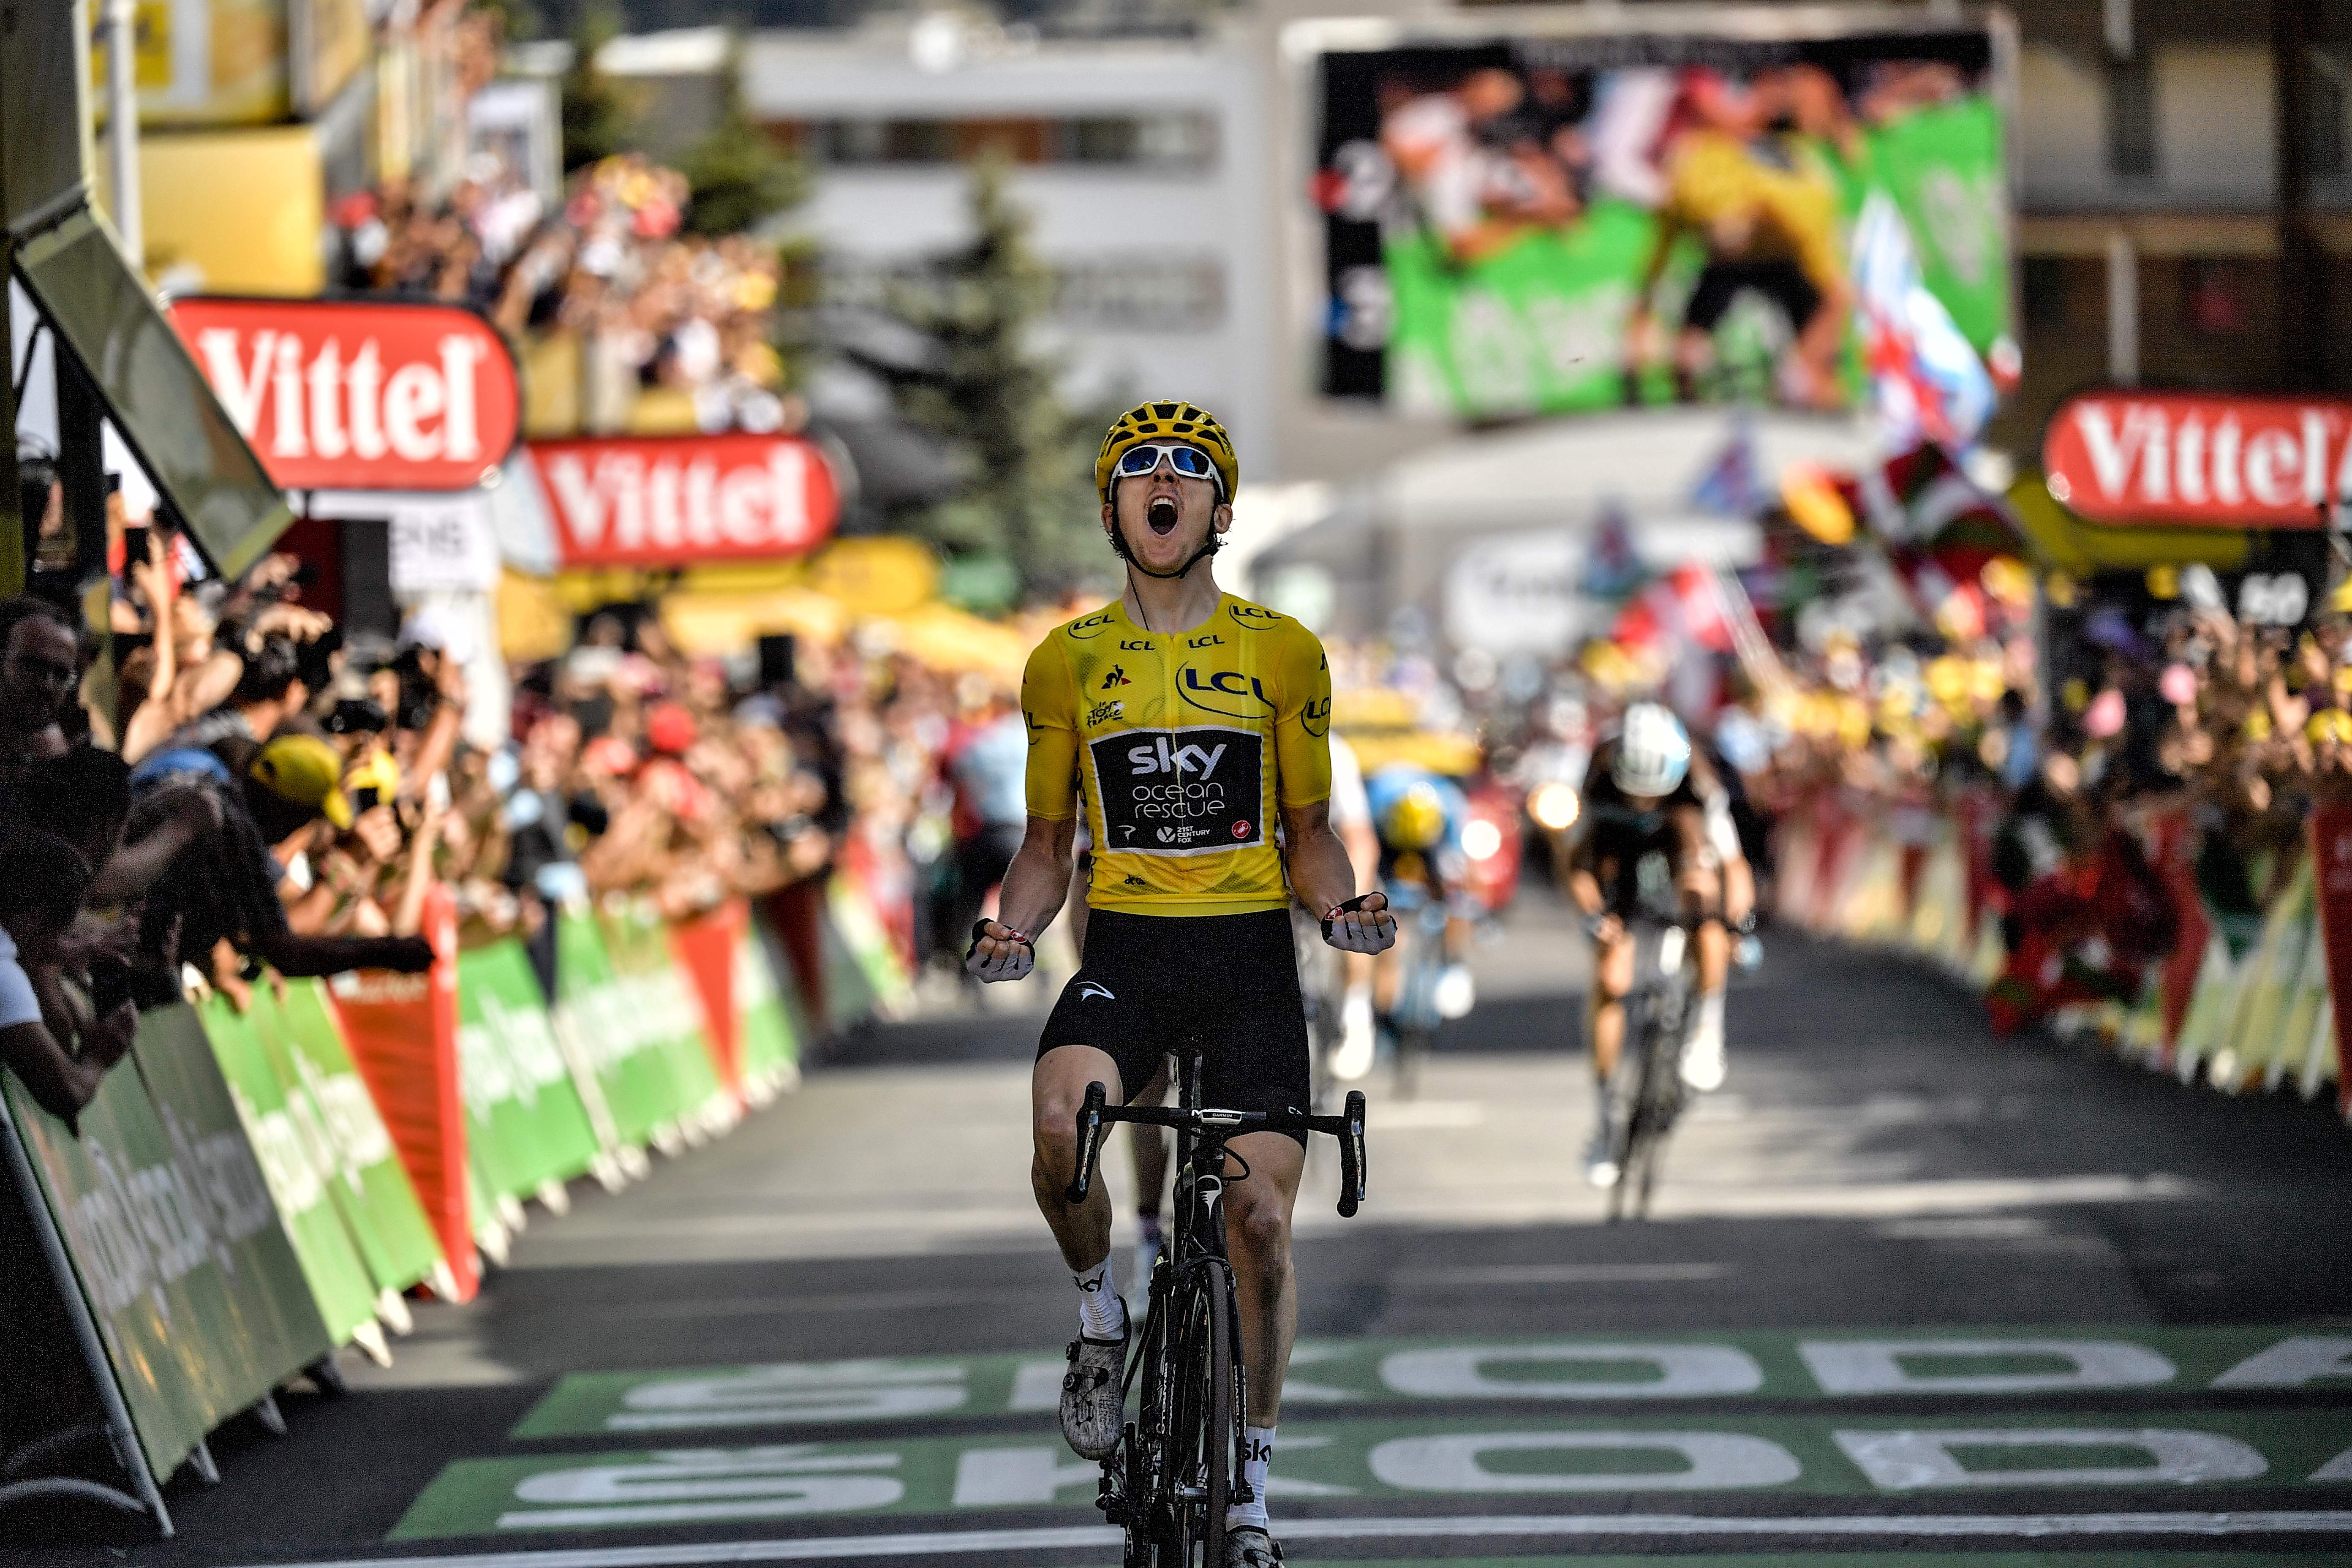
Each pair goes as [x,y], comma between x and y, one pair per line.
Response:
[2123,457]
[629,501]
[329,401]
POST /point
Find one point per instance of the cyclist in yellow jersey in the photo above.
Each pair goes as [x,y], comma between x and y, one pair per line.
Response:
[1186,724]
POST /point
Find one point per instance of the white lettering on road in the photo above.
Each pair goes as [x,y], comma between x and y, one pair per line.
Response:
[1454,1462]
[788,1392]
[2291,1363]
[1910,1461]
[1683,1371]
[992,1476]
[698,1485]
[1875,1366]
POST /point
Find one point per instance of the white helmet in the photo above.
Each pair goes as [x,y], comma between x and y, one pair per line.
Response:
[1653,750]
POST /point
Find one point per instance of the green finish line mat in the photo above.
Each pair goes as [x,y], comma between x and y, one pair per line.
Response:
[1948,1366]
[1660,1461]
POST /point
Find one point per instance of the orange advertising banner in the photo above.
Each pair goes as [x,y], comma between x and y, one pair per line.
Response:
[403,1034]
[705,948]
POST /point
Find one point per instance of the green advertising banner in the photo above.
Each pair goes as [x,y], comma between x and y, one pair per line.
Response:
[168,1218]
[528,1126]
[103,1187]
[660,1003]
[271,1312]
[770,1053]
[1549,220]
[593,1011]
[882,982]
[369,1186]
[329,1262]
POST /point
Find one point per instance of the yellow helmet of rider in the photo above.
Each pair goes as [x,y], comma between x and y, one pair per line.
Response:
[1416,820]
[1169,420]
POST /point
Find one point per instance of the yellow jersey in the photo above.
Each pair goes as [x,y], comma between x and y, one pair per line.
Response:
[1180,748]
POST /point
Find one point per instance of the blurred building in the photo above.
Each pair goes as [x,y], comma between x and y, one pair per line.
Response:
[1135,157]
[256,114]
[2184,190]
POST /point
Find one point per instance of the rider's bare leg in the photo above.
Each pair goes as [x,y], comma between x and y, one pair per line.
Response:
[1056,1088]
[1612,978]
[1257,1237]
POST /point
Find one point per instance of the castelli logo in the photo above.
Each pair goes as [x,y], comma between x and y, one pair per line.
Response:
[358,395]
[2118,456]
[667,500]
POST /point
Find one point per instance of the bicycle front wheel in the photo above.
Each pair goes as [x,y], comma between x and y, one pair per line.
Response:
[1205,1435]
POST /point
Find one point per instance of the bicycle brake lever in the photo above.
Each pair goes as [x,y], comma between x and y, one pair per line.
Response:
[1090,1142]
[1351,1157]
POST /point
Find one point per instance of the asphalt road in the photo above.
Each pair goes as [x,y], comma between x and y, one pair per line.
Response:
[1909,1293]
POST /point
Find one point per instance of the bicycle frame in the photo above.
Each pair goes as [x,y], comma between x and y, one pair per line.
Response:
[1134,1489]
[1659,1005]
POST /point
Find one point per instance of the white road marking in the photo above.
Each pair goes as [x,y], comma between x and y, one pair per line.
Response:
[1568,1274]
[1935,1526]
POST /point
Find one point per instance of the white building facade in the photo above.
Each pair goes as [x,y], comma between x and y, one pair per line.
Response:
[1140,162]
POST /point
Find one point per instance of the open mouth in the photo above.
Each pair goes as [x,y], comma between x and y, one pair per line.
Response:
[1162,516]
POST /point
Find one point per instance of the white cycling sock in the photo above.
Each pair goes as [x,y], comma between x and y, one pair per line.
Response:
[1258,1453]
[1710,1012]
[1101,1314]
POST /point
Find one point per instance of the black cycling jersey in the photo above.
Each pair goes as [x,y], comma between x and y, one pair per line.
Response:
[1615,836]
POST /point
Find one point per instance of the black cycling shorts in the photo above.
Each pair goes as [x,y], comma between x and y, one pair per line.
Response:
[1782,282]
[1150,984]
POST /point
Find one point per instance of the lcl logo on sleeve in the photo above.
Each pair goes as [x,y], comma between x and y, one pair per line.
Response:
[1180,792]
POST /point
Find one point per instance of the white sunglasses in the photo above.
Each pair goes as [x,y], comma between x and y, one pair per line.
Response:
[1189,462]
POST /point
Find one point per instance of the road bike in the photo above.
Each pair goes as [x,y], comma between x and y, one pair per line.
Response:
[1176,1469]
[1657,1020]
[1419,1010]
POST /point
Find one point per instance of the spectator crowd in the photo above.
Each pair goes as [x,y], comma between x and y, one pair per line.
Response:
[672,332]
[224,788]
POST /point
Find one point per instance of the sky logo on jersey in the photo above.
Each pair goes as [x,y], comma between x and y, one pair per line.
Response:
[1180,792]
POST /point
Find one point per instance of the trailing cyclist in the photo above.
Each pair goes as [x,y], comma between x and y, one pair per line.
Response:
[1183,722]
[1419,814]
[1649,800]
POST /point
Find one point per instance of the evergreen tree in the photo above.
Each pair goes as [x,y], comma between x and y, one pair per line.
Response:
[990,396]
[739,176]
[600,114]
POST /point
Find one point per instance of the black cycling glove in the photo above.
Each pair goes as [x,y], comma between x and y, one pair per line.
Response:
[1355,903]
[979,929]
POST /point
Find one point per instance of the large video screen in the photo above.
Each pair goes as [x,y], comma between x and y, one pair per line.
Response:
[1531,225]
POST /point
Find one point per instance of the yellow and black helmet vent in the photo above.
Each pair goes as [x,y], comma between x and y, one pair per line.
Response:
[1169,420]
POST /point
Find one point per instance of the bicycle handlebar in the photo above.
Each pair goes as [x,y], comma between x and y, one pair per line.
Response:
[1347,1127]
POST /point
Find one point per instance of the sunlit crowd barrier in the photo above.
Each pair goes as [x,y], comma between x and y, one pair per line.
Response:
[257,1186]
[2256,1012]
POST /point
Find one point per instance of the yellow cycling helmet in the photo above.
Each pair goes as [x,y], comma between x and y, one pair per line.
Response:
[1415,821]
[1169,421]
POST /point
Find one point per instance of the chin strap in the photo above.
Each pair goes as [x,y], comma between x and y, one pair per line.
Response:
[1119,543]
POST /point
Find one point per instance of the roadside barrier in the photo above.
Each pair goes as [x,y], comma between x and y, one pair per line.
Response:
[263,1180]
[2259,1018]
